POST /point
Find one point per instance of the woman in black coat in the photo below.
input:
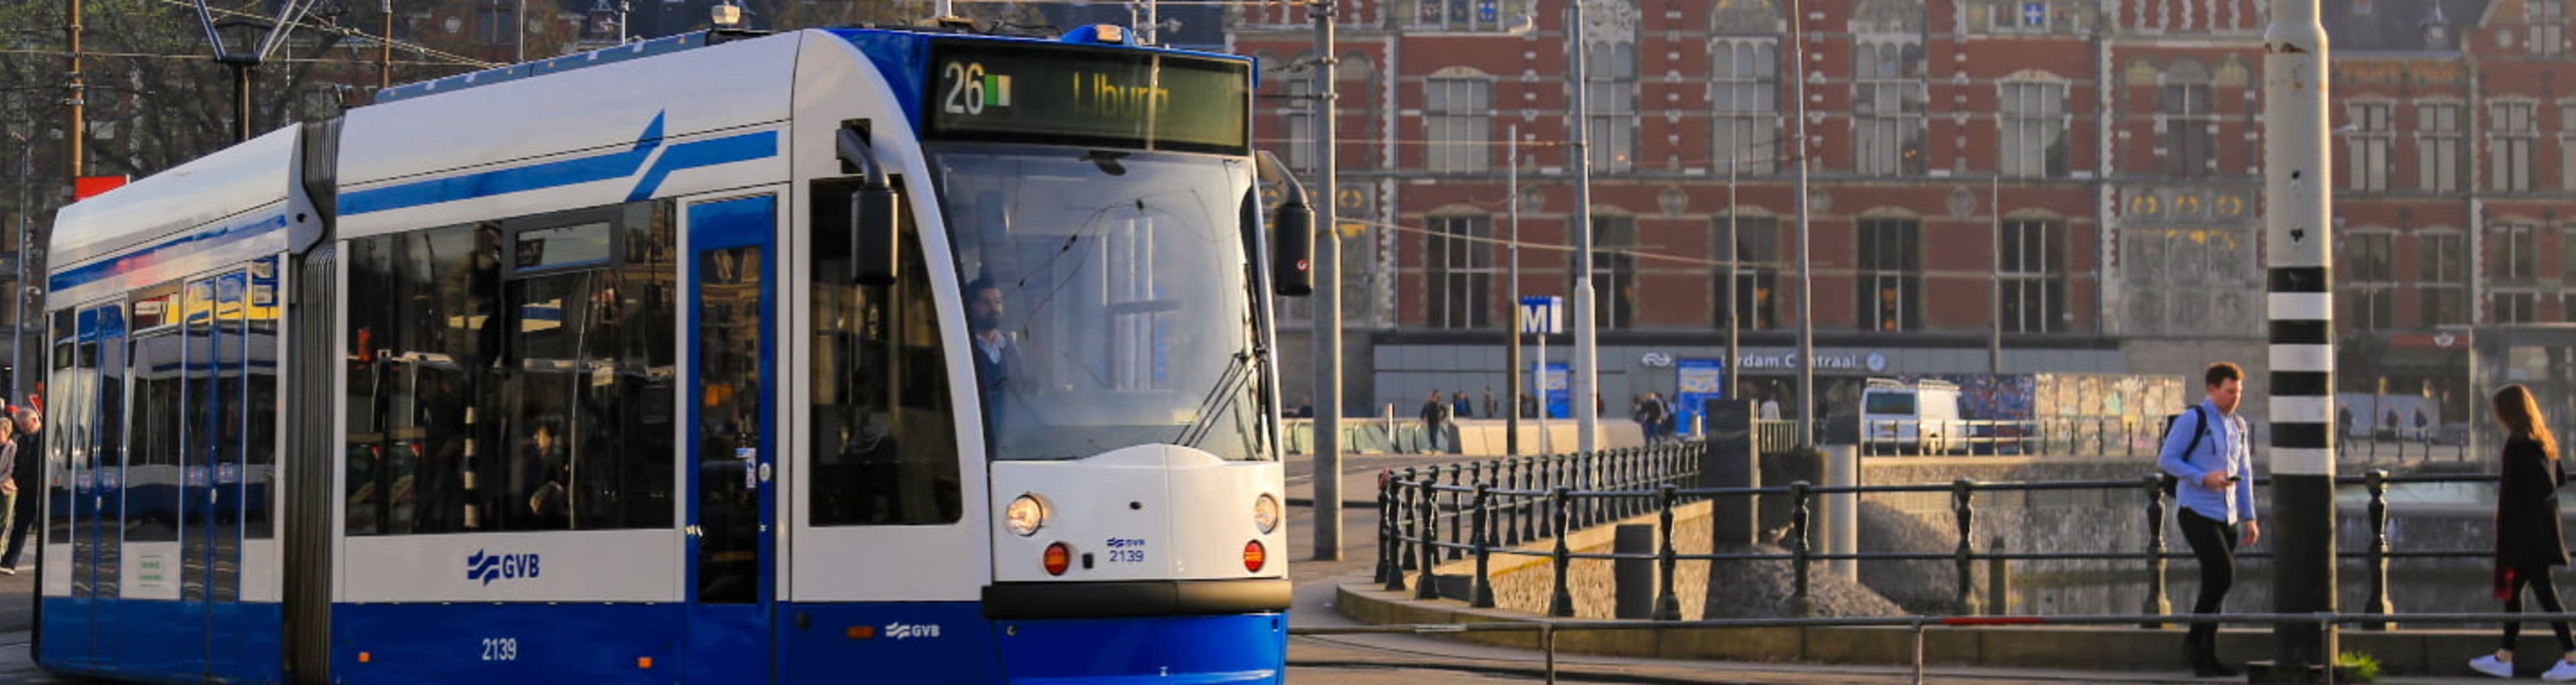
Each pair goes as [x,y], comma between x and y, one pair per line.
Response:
[2530,536]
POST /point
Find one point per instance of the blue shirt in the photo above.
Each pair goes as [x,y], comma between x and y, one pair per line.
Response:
[2223,450]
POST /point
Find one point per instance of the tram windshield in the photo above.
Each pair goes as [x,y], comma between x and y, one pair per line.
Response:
[1107,303]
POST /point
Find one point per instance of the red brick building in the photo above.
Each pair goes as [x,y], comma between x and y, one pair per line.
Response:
[2075,173]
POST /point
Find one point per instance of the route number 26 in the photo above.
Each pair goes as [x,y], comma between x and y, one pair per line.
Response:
[965,88]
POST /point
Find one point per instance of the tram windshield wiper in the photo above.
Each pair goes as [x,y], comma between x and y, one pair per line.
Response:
[1239,370]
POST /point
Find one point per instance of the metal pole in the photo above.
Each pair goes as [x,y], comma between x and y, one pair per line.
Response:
[2297,240]
[242,71]
[519,33]
[1327,301]
[1512,372]
[1587,414]
[1734,281]
[1995,275]
[1806,279]
[385,46]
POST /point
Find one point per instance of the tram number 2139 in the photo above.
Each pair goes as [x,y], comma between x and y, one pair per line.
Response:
[500,649]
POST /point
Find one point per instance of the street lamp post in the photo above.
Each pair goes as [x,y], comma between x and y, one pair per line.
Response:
[1587,368]
[1327,324]
[1806,277]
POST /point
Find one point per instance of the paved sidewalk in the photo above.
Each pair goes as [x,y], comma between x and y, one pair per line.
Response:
[1313,606]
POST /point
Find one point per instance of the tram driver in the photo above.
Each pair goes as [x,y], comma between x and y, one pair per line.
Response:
[997,354]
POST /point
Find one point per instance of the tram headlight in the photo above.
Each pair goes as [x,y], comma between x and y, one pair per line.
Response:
[1265,513]
[1025,515]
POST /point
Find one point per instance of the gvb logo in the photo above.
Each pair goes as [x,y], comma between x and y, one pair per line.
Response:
[906,631]
[491,567]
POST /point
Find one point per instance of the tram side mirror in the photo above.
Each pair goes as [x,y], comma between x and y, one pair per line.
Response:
[875,209]
[1292,233]
[874,212]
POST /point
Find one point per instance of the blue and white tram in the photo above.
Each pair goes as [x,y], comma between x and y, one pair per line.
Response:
[858,355]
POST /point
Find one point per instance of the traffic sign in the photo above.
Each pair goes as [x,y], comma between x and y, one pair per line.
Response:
[1542,314]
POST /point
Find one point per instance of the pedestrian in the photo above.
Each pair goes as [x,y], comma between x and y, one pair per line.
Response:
[2530,537]
[1770,406]
[2206,452]
[30,421]
[1435,414]
[1492,410]
[1459,407]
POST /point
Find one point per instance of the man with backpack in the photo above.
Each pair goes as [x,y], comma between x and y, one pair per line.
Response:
[2206,451]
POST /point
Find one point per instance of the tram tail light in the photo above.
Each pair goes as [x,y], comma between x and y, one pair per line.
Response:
[1058,558]
[1255,556]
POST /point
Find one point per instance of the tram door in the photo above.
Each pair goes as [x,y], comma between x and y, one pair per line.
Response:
[732,436]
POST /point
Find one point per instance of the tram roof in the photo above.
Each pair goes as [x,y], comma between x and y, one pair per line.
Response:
[254,174]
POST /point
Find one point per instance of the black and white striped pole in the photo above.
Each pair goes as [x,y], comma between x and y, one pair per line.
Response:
[2298,208]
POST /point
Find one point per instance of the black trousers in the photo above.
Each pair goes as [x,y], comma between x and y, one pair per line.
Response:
[2213,542]
[2537,578]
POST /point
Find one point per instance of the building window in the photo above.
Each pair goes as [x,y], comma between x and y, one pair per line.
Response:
[1611,85]
[2031,270]
[492,24]
[2369,288]
[1460,267]
[2567,148]
[2026,16]
[2509,145]
[1458,113]
[1890,283]
[2367,146]
[2437,142]
[1745,93]
[2034,129]
[1300,114]
[2513,253]
[2441,276]
[2517,307]
[2185,108]
[1466,15]
[1757,277]
[1887,106]
[1614,271]
[2548,27]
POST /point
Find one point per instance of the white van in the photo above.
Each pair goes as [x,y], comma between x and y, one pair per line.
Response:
[1910,419]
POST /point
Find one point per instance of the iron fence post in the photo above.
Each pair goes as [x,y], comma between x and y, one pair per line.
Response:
[1562,602]
[2376,481]
[1799,602]
[1483,596]
[1962,492]
[1455,511]
[1428,586]
[1668,606]
[2156,604]
[1387,570]
[1408,539]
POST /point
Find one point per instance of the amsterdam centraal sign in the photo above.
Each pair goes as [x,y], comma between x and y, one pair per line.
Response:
[1858,362]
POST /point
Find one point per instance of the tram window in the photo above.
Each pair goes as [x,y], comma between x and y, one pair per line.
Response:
[885,443]
[260,457]
[555,383]
[152,469]
[66,429]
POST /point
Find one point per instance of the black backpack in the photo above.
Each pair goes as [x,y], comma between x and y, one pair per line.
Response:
[2202,422]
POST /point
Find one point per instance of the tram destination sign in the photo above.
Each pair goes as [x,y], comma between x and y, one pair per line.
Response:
[1088,96]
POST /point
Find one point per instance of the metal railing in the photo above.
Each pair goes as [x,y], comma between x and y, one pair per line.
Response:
[2326,623]
[1542,500]
[2105,436]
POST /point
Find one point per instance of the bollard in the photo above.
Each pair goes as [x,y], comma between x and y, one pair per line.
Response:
[1455,511]
[2376,480]
[1562,602]
[1428,505]
[1961,491]
[1668,606]
[1521,512]
[1799,602]
[1998,580]
[1632,571]
[1387,571]
[2156,604]
[1483,596]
